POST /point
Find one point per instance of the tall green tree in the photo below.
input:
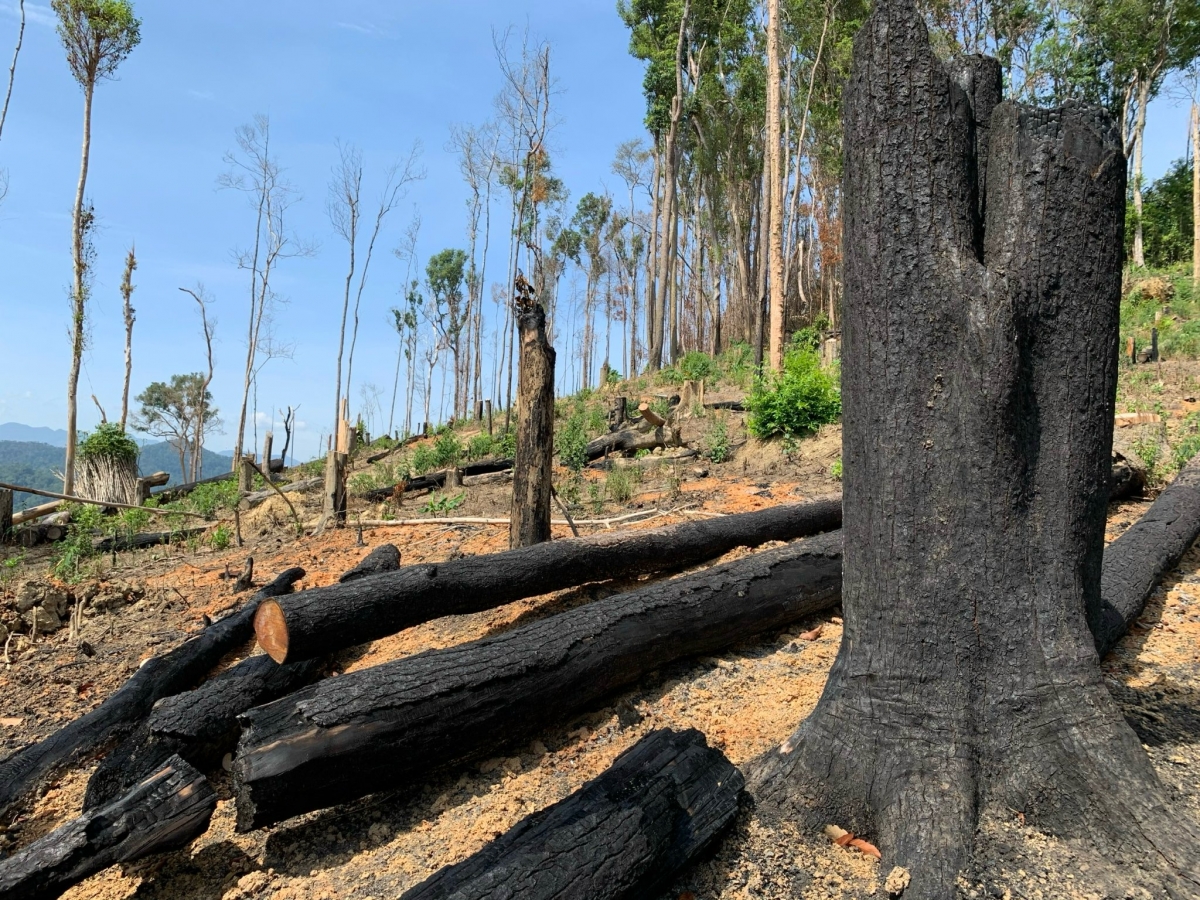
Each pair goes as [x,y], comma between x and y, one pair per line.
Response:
[446,275]
[97,35]
[179,411]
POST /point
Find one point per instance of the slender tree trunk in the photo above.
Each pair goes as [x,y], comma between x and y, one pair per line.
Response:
[652,255]
[1139,134]
[126,294]
[760,298]
[772,159]
[12,70]
[79,294]
[1195,197]
[974,690]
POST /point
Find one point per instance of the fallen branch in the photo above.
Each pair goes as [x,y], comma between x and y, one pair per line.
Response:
[121,543]
[110,504]
[392,725]
[164,812]
[157,677]
[477,520]
[272,486]
[605,840]
[296,487]
[434,480]
[327,619]
[36,512]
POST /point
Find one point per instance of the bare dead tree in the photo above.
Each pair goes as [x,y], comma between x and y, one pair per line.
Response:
[126,296]
[289,422]
[404,320]
[12,75]
[257,174]
[207,328]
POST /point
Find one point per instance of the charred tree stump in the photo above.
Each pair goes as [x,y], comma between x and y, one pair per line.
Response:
[158,677]
[618,413]
[384,558]
[6,515]
[392,725]
[661,804]
[324,620]
[978,389]
[533,468]
[1136,562]
[164,812]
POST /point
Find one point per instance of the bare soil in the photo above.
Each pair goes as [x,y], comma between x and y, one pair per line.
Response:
[746,701]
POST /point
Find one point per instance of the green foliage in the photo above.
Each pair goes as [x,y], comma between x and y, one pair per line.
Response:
[596,496]
[795,401]
[213,498]
[736,365]
[424,458]
[444,503]
[9,568]
[221,538]
[110,441]
[71,555]
[1168,292]
[508,443]
[1166,218]
[447,449]
[572,442]
[97,35]
[1149,449]
[835,470]
[716,443]
[670,375]
[481,446]
[696,366]
[619,485]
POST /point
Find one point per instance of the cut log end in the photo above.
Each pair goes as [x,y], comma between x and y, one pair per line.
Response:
[271,628]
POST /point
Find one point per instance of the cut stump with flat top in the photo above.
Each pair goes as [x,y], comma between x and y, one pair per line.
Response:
[983,285]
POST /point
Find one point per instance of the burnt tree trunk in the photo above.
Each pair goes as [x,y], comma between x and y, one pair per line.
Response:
[163,812]
[393,725]
[158,677]
[324,620]
[627,833]
[384,558]
[979,381]
[6,515]
[533,468]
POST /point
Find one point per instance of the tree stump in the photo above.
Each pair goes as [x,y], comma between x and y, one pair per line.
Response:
[983,283]
[532,470]
[6,515]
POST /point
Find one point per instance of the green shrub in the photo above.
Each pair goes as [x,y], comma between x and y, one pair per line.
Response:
[619,485]
[797,400]
[835,470]
[71,554]
[447,449]
[670,375]
[696,366]
[716,444]
[481,446]
[424,458]
[444,504]
[210,499]
[572,443]
[221,537]
[109,440]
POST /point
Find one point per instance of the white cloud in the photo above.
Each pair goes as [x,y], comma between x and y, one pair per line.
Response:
[34,13]
[368,28]
[202,95]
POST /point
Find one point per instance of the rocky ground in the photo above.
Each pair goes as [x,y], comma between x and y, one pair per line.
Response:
[746,701]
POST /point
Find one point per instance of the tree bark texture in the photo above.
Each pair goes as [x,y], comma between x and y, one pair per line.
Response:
[533,468]
[390,726]
[384,558]
[662,803]
[978,388]
[772,161]
[160,676]
[324,620]
[1135,563]
[163,812]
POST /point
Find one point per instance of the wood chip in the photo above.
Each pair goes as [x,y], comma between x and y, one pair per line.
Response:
[12,723]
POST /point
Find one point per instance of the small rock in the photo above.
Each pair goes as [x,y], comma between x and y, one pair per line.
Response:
[47,620]
[490,765]
[512,765]
[537,748]
[897,882]
[379,833]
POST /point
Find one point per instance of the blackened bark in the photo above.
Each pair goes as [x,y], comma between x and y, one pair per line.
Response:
[393,725]
[625,834]
[978,401]
[434,480]
[384,558]
[1136,562]
[622,441]
[532,471]
[164,812]
[158,677]
[324,620]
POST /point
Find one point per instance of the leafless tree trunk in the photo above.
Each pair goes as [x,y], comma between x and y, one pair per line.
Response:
[126,295]
[1195,196]
[772,158]
[12,76]
[195,472]
[81,222]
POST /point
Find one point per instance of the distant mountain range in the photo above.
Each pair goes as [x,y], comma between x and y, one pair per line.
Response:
[34,463]
[15,431]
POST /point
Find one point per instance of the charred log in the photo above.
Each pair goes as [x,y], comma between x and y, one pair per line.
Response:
[661,804]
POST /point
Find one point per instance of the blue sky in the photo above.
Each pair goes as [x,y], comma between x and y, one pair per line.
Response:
[376,74]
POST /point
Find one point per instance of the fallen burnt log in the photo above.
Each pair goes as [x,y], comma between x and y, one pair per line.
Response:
[258,497]
[630,440]
[325,620]
[1126,480]
[122,543]
[434,480]
[182,490]
[201,725]
[158,677]
[164,812]
[392,725]
[627,833]
[1136,562]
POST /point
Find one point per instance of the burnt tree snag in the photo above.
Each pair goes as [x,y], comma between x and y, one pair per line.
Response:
[325,620]
[533,468]
[979,381]
[627,833]
[393,725]
[6,515]
[160,676]
[384,558]
[163,812]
